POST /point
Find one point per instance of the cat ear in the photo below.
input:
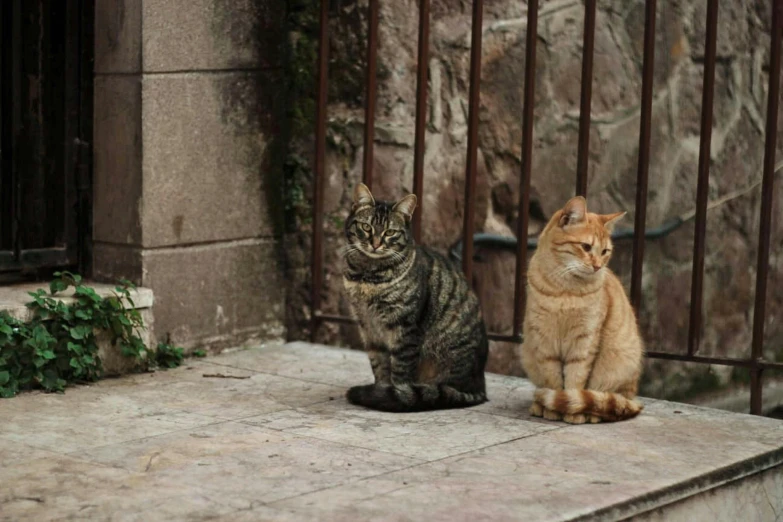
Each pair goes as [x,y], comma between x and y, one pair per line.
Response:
[574,211]
[362,196]
[406,206]
[610,220]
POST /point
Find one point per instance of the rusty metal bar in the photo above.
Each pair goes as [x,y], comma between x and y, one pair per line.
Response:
[708,87]
[520,296]
[472,159]
[336,318]
[722,361]
[644,154]
[370,91]
[514,338]
[421,114]
[765,226]
[317,273]
[517,338]
[586,98]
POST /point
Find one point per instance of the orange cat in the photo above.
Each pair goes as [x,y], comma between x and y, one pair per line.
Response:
[582,345]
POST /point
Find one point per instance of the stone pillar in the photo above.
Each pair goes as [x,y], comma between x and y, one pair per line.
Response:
[187,174]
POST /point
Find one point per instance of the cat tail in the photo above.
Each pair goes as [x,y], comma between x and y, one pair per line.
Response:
[412,397]
[607,405]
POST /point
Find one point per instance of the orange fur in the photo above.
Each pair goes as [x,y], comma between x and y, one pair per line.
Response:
[582,345]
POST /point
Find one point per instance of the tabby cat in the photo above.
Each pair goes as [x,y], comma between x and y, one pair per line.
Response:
[582,346]
[420,322]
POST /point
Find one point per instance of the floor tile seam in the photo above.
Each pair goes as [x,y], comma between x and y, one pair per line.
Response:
[31,446]
[309,381]
[129,441]
[461,454]
[339,443]
[286,407]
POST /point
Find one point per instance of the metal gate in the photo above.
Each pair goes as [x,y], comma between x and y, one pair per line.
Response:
[46,120]
[755,362]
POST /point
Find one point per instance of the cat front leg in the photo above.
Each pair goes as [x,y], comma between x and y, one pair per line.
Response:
[577,367]
[380,361]
[405,359]
[544,368]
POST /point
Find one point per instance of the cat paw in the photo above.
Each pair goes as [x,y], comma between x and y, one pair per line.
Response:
[355,394]
[552,415]
[593,419]
[536,410]
[575,418]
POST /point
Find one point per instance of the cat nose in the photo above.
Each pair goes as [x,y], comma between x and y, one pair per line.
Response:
[596,268]
[376,243]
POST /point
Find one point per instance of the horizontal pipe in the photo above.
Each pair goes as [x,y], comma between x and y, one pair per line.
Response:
[510,243]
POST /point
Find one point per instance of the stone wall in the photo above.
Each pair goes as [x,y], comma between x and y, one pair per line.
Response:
[187,162]
[736,159]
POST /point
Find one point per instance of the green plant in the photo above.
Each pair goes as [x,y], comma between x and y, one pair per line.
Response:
[59,345]
[199,353]
[168,356]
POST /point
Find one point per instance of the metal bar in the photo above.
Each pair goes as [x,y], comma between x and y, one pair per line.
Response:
[514,338]
[317,274]
[694,331]
[85,134]
[336,318]
[723,361]
[472,157]
[586,98]
[371,91]
[520,296]
[16,122]
[421,114]
[644,154]
[34,258]
[765,226]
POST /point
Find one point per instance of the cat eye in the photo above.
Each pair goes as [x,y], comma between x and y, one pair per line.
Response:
[391,233]
[586,247]
[606,251]
[367,228]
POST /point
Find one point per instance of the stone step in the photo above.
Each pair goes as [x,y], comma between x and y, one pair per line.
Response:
[14,299]
[675,462]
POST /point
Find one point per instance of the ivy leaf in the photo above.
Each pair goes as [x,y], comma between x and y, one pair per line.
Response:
[57,285]
[4,378]
[88,292]
[51,381]
[80,332]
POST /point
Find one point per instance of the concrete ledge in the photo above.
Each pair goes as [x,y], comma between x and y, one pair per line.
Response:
[265,434]
[14,299]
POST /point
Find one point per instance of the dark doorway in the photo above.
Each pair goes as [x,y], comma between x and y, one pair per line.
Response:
[46,61]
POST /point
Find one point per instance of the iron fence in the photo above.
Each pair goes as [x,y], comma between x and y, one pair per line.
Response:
[755,363]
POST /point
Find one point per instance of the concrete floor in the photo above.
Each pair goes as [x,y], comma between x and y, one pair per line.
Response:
[265,434]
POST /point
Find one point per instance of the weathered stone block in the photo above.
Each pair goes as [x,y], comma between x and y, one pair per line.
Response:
[186,35]
[217,294]
[117,179]
[112,262]
[117,36]
[210,171]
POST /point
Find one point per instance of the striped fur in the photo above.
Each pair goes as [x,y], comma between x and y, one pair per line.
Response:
[608,406]
[582,346]
[421,323]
